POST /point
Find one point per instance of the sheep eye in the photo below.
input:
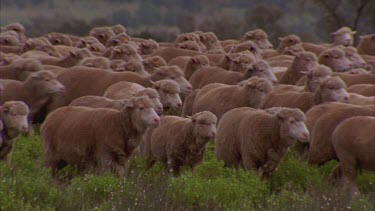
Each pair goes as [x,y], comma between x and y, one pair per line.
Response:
[292,122]
[172,77]
[47,79]
[261,90]
[141,108]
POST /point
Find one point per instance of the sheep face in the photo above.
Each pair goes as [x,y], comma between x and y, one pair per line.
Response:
[287,41]
[259,37]
[86,41]
[153,62]
[257,89]
[199,61]
[148,46]
[132,66]
[142,113]
[335,59]
[49,49]
[333,90]
[293,50]
[354,57]
[154,97]
[343,36]
[118,29]
[186,37]
[189,45]
[169,92]
[126,52]
[262,70]
[242,62]
[174,73]
[316,76]
[204,124]
[102,34]
[59,39]
[292,124]
[14,116]
[306,60]
[45,83]
[9,40]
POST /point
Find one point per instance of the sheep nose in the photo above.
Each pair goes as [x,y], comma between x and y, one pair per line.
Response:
[179,105]
[156,121]
[189,88]
[24,129]
[346,98]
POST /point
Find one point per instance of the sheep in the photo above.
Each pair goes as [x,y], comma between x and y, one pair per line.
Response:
[311,80]
[358,99]
[354,149]
[125,90]
[367,90]
[367,45]
[352,79]
[167,90]
[190,37]
[101,138]
[97,62]
[20,69]
[288,41]
[248,46]
[98,102]
[102,34]
[303,62]
[117,40]
[132,66]
[36,91]
[259,37]
[148,46]
[189,64]
[18,28]
[220,98]
[330,90]
[169,53]
[59,39]
[240,63]
[207,75]
[13,119]
[32,43]
[354,57]
[118,29]
[74,58]
[42,51]
[321,149]
[126,52]
[84,42]
[335,59]
[79,82]
[210,40]
[189,45]
[152,62]
[180,141]
[293,50]
[8,40]
[254,139]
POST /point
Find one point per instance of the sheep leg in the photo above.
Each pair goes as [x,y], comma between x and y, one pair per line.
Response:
[174,166]
[249,163]
[335,174]
[349,172]
[270,166]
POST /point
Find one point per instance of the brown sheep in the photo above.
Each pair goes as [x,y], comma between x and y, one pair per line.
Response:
[118,29]
[20,69]
[288,41]
[72,59]
[242,61]
[32,43]
[190,37]
[59,39]
[321,149]
[343,36]
[248,46]
[210,40]
[367,90]
[13,119]
[180,141]
[354,57]
[152,62]
[18,28]
[254,139]
[293,50]
[102,138]
[189,45]
[8,40]
[169,53]
[220,98]
[134,66]
[367,45]
[330,90]
[125,90]
[207,75]
[97,62]
[36,91]
[102,34]
[126,52]
[117,40]
[358,99]
[42,51]
[303,62]
[352,79]
[98,102]
[189,64]
[354,144]
[335,59]
[259,37]
[79,82]
[84,42]
[147,46]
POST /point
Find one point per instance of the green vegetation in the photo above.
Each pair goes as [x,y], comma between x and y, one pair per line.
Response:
[25,184]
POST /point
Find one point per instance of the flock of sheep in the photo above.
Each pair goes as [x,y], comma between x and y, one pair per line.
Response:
[100,99]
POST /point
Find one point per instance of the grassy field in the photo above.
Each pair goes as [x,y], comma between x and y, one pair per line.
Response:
[25,184]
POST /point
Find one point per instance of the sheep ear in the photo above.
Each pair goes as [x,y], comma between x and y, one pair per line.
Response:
[155,85]
[145,45]
[73,53]
[194,60]
[4,109]
[227,57]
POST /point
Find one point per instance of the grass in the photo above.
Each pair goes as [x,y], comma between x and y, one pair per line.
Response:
[25,184]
